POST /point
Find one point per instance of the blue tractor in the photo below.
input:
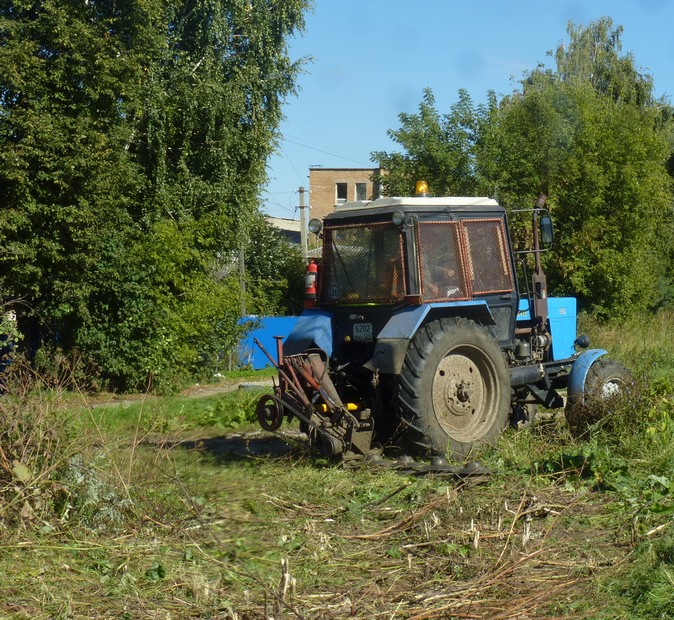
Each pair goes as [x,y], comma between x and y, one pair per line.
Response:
[417,331]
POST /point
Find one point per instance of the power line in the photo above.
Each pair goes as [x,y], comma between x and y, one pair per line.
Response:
[290,161]
[331,153]
[269,201]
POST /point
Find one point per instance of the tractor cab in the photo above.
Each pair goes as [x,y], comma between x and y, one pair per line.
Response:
[391,255]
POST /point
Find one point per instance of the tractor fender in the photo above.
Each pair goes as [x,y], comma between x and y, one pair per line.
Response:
[312,329]
[575,390]
[393,340]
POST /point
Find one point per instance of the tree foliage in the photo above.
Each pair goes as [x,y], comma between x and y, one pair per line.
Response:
[593,57]
[438,147]
[588,134]
[275,272]
[134,139]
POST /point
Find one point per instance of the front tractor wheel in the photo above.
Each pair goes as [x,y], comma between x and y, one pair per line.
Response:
[606,382]
[454,388]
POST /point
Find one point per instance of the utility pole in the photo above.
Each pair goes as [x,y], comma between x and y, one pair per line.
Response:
[303,225]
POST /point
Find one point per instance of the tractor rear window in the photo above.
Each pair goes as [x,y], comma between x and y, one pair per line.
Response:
[362,264]
[488,255]
[460,259]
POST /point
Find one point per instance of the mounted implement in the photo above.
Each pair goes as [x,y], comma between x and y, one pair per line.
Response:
[416,330]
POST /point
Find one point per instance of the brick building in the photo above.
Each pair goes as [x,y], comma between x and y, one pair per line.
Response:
[331,186]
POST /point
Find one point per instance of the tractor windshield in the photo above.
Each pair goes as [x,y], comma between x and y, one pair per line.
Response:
[362,264]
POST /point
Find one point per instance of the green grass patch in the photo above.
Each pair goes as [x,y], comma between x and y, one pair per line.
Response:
[230,409]
[643,343]
[245,374]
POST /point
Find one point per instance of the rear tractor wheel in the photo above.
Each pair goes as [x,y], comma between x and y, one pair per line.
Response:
[454,388]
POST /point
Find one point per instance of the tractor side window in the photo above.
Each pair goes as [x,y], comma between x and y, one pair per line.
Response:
[362,264]
[443,274]
[488,256]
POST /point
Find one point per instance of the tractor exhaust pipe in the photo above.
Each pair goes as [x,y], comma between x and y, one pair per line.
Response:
[540,281]
[525,375]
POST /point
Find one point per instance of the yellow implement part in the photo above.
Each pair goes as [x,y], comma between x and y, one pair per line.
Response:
[349,407]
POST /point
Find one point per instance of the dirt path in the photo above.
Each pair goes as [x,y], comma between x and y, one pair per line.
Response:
[195,391]
[199,391]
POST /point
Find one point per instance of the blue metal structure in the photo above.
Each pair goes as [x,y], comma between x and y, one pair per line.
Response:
[264,329]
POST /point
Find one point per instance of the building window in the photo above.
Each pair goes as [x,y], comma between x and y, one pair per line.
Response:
[361,191]
[341,192]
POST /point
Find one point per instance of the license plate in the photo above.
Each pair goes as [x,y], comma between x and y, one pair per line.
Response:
[362,332]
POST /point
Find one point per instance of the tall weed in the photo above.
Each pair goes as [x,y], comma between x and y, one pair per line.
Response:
[49,475]
[644,343]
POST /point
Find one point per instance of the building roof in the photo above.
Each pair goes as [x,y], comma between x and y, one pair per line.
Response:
[284,223]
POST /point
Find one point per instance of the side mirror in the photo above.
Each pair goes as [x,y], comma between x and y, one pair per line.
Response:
[545,226]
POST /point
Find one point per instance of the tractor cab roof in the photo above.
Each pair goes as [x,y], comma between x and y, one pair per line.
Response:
[439,206]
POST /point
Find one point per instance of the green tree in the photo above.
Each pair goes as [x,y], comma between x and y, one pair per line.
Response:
[275,272]
[134,136]
[439,148]
[593,57]
[588,134]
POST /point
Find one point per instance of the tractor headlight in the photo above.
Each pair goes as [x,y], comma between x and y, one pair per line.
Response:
[398,218]
[315,225]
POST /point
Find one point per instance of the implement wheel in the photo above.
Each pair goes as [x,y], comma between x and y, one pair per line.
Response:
[269,414]
[454,388]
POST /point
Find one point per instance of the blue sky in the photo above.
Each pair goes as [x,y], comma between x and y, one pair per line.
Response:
[371,60]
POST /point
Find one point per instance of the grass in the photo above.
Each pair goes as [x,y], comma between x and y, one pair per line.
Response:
[179,507]
[374,544]
[228,409]
[643,343]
